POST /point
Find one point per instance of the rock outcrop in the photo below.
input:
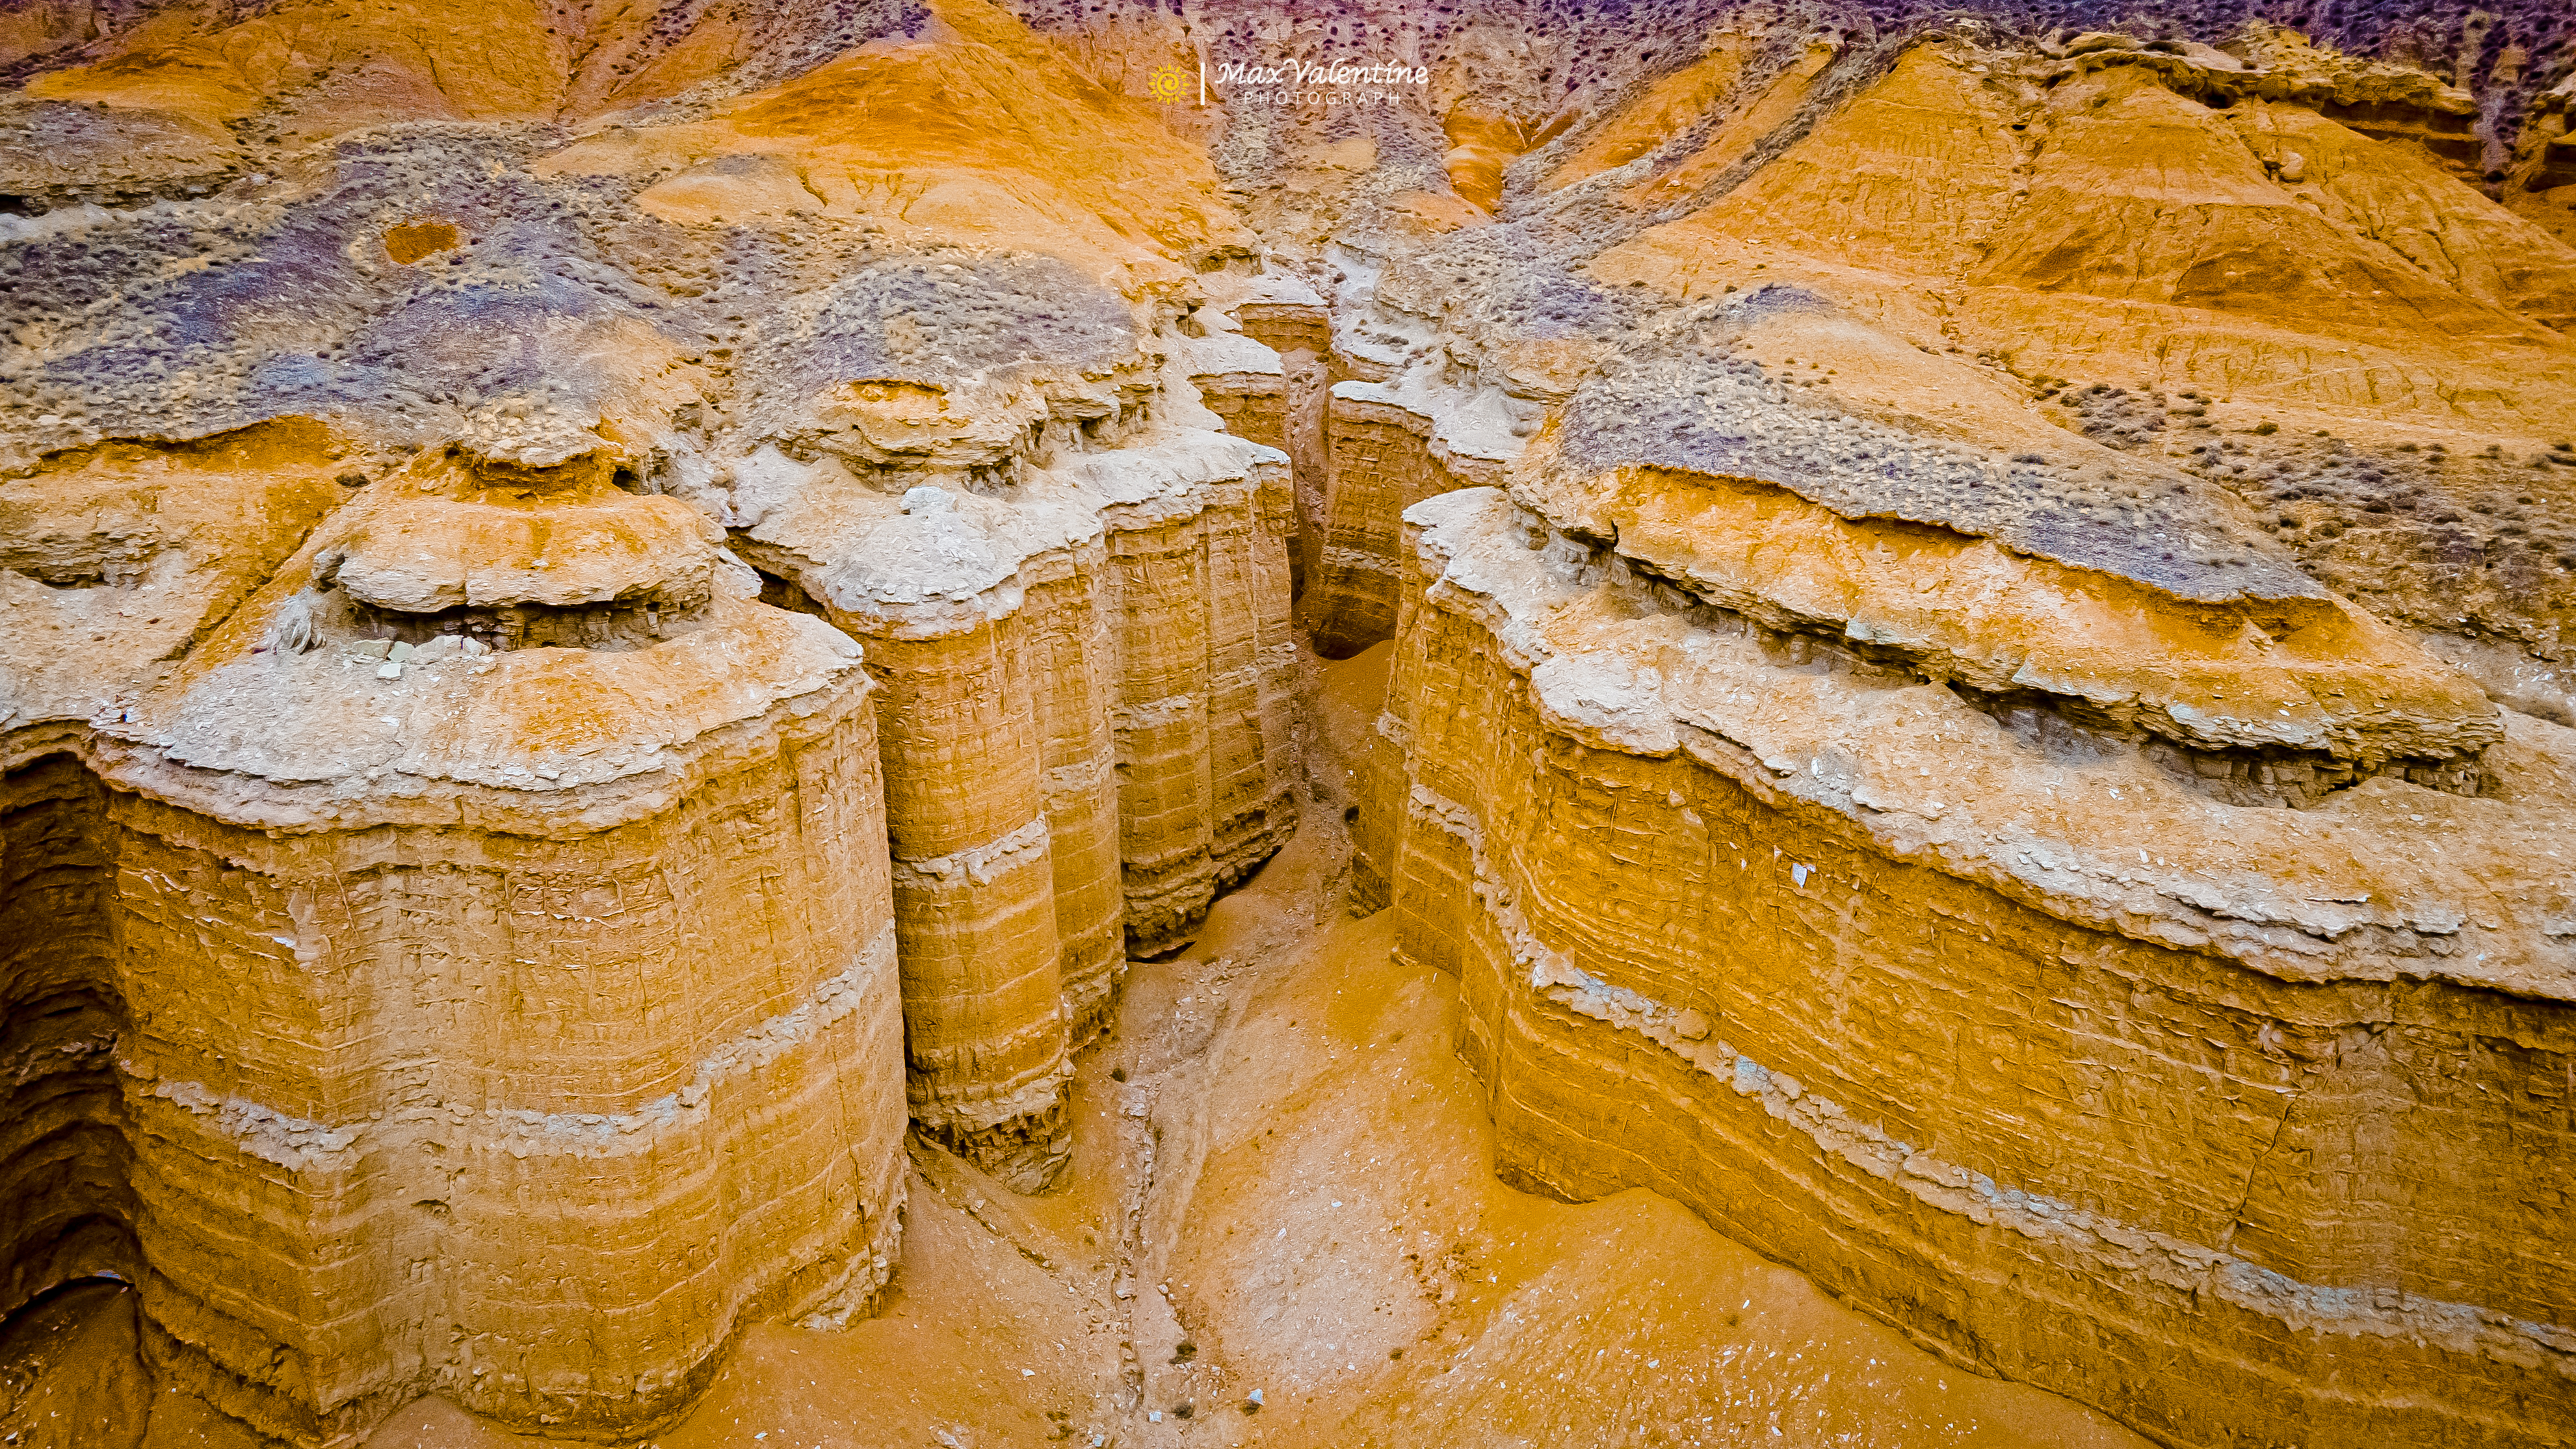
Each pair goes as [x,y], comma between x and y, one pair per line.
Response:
[2048,1052]
[606,615]
[1972,833]
[465,935]
[1086,738]
[1386,456]
[378,966]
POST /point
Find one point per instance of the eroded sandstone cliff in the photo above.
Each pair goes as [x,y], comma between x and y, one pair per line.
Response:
[497,756]
[424,821]
[1827,643]
[606,613]
[2054,1054]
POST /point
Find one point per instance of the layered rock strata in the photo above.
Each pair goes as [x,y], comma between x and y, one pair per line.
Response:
[1284,314]
[1085,725]
[578,351]
[1978,448]
[1240,375]
[412,909]
[1005,478]
[2239,1121]
[1384,457]
[1997,843]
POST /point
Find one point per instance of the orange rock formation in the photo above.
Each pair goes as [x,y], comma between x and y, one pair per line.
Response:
[605,615]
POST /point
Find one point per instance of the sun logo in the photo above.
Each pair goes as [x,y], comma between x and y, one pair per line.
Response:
[1168,83]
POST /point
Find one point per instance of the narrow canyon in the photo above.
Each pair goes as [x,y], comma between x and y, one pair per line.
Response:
[833,723]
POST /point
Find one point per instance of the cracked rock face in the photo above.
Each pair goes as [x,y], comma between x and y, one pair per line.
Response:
[607,615]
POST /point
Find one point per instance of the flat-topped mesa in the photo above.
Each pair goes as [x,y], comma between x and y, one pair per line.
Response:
[2024,1044]
[993,470]
[1084,722]
[421,919]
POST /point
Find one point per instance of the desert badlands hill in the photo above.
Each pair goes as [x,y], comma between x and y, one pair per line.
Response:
[1467,723]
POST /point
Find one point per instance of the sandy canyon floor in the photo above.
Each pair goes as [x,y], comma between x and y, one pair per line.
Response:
[1283,1182]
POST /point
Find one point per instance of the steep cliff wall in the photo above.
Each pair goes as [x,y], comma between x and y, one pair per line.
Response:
[2095,1012]
[2165,1104]
[432,806]
[67,1201]
[1284,314]
[408,910]
[1086,735]
[1385,457]
[2004,737]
